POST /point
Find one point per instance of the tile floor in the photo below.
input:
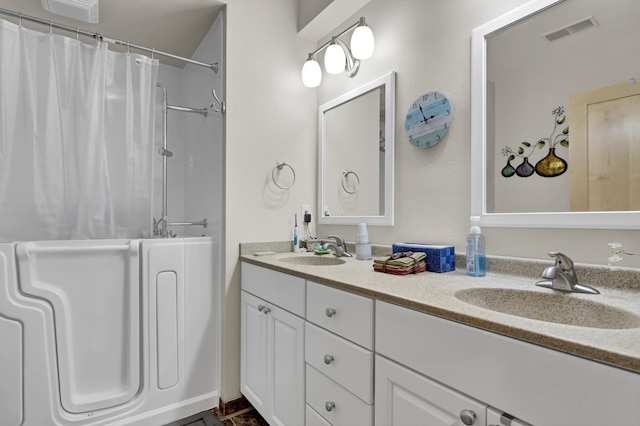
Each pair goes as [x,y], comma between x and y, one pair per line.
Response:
[245,417]
[238,413]
[234,413]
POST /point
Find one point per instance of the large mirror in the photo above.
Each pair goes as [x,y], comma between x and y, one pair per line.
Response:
[355,155]
[556,116]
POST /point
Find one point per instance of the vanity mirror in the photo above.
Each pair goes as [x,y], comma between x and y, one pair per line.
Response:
[526,63]
[355,155]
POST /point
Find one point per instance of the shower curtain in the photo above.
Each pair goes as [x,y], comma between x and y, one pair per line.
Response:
[76,138]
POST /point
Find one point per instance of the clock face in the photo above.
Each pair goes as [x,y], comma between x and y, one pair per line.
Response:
[428,119]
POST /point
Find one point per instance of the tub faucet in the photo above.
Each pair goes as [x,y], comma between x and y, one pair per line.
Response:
[562,277]
[339,247]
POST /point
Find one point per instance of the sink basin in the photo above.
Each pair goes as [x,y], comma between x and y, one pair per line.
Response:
[551,307]
[313,260]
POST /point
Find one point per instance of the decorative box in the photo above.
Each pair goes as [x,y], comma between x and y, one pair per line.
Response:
[439,258]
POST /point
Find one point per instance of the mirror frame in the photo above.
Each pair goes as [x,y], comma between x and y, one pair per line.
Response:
[388,81]
[595,220]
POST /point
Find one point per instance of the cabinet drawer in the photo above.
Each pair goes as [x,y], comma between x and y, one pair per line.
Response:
[510,374]
[346,363]
[282,290]
[346,314]
[333,402]
[312,418]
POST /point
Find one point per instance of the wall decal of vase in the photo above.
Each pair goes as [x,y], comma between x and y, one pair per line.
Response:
[508,170]
[525,169]
[551,165]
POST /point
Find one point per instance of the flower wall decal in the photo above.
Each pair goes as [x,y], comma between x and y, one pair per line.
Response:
[551,165]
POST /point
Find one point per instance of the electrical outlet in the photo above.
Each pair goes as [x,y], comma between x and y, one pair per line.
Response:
[305,208]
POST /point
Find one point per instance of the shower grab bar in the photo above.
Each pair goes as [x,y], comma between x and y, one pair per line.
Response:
[35,249]
[202,223]
[220,108]
[203,111]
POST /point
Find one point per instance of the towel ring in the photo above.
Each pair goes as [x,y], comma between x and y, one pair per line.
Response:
[279,166]
[345,175]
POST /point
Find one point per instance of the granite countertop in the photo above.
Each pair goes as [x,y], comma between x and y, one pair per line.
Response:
[435,293]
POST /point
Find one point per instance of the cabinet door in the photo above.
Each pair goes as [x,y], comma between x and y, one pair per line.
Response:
[405,398]
[253,351]
[286,362]
[272,361]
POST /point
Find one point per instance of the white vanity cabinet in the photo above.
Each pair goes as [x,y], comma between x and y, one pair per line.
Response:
[309,354]
[272,373]
[540,386]
[339,356]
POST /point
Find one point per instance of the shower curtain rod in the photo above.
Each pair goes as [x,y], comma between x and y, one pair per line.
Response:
[100,37]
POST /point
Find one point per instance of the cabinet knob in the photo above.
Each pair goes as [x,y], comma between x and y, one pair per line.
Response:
[328,359]
[330,312]
[468,417]
[329,405]
[260,308]
[266,310]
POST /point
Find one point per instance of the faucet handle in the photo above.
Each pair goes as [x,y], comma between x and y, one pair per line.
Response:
[339,240]
[562,260]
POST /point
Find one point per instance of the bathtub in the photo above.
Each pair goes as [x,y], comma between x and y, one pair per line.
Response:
[109,332]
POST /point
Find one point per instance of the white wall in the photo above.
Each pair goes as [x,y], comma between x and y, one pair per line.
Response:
[272,117]
[432,185]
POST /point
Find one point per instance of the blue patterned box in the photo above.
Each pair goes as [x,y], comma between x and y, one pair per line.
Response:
[439,258]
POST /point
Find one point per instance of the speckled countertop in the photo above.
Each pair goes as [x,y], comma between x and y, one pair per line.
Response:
[435,294]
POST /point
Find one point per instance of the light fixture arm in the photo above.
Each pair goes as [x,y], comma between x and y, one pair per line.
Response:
[353,64]
[361,21]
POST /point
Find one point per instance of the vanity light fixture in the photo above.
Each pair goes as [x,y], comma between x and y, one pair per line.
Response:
[339,57]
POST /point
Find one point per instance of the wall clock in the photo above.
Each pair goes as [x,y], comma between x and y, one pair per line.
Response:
[428,119]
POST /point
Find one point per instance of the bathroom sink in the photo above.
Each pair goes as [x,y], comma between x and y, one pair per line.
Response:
[551,307]
[313,260]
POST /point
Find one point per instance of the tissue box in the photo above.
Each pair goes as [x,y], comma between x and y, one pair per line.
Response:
[439,258]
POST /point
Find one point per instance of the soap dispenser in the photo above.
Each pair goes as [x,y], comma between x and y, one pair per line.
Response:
[476,257]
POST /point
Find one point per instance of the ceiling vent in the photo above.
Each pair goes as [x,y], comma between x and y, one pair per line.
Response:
[581,25]
[81,10]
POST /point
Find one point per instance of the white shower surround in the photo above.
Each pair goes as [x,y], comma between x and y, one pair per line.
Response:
[108,332]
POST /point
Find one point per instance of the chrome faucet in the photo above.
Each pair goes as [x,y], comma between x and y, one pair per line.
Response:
[339,247]
[562,277]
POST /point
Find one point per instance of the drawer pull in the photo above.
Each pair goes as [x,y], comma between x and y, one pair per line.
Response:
[468,417]
[328,359]
[329,405]
[330,312]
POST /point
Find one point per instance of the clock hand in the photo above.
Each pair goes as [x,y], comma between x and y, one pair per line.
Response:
[422,112]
